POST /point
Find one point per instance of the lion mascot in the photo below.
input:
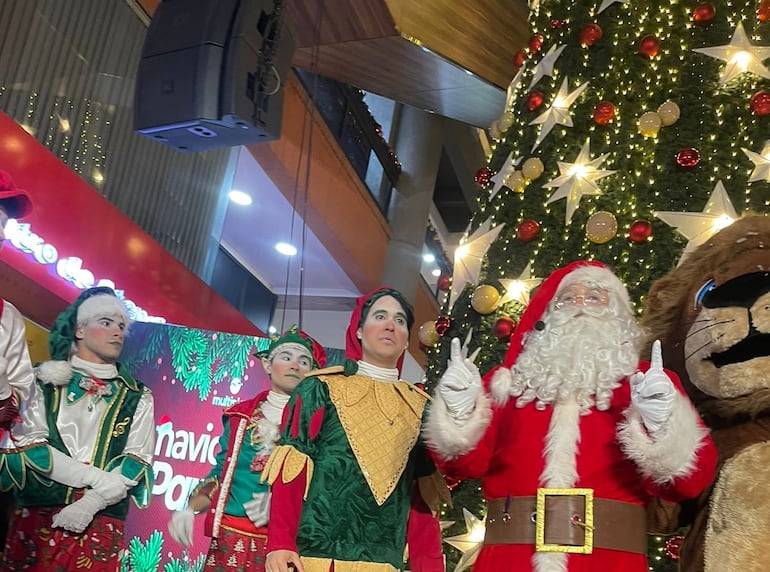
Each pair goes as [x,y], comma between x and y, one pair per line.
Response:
[712,315]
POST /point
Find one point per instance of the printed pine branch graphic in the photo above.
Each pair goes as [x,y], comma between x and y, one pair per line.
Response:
[141,557]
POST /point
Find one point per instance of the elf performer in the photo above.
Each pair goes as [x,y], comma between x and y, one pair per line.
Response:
[350,480]
[571,436]
[96,425]
[237,504]
[16,377]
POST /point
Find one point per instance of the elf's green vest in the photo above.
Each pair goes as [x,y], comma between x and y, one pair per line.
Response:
[110,444]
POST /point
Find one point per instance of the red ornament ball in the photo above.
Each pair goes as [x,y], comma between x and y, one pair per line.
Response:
[482,176]
[673,546]
[640,231]
[503,327]
[760,103]
[443,323]
[591,34]
[518,59]
[535,100]
[704,13]
[649,46]
[763,11]
[535,43]
[604,112]
[451,483]
[557,23]
[527,230]
[688,158]
[444,282]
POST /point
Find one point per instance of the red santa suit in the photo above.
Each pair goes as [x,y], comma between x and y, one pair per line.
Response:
[517,450]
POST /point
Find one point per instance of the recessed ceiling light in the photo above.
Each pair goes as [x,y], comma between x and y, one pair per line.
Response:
[239,198]
[286,248]
[436,272]
[272,330]
[428,257]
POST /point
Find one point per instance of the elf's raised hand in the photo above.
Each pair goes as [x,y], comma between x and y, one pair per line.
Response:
[652,392]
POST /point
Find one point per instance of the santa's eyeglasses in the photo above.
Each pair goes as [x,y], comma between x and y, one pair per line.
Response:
[578,294]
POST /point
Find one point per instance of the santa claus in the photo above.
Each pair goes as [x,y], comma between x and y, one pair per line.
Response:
[571,436]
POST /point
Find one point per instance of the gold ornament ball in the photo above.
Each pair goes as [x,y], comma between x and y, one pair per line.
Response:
[532,168]
[601,227]
[649,124]
[427,334]
[485,299]
[668,113]
[516,181]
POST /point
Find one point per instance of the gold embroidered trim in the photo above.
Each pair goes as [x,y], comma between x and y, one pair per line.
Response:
[287,462]
[311,564]
[382,423]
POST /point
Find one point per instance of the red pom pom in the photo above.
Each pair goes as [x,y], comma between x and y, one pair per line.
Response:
[503,327]
[704,13]
[604,112]
[688,158]
[673,546]
[527,230]
[591,34]
[760,102]
[442,324]
[534,100]
[535,43]
[640,231]
[649,46]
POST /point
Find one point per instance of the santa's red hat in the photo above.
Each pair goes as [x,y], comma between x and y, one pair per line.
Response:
[15,202]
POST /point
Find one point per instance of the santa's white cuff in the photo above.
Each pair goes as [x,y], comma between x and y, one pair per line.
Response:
[451,438]
[670,452]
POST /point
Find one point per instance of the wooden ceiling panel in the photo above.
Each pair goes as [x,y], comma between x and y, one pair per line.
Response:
[416,51]
[341,21]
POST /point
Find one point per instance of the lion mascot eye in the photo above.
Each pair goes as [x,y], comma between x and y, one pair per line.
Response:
[702,292]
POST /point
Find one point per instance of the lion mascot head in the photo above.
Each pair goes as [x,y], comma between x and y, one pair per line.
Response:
[712,315]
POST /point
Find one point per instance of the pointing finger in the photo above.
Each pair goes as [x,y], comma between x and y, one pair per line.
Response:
[455,353]
[657,357]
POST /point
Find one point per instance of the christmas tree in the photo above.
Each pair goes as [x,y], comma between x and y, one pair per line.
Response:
[633,130]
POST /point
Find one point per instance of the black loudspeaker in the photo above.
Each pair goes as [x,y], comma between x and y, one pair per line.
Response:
[212,72]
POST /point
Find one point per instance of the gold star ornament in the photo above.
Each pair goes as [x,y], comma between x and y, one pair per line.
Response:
[468,256]
[559,112]
[519,288]
[740,55]
[469,543]
[697,228]
[578,179]
[761,164]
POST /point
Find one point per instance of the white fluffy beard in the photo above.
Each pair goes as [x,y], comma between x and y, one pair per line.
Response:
[583,354]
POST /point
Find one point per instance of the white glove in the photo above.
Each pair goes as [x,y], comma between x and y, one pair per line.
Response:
[652,392]
[461,383]
[258,509]
[77,516]
[181,526]
[112,486]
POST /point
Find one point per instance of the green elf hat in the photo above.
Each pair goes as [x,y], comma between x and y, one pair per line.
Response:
[63,332]
[296,337]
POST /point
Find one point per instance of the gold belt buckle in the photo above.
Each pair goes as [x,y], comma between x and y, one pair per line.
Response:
[587,524]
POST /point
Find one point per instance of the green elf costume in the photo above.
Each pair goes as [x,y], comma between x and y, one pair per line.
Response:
[345,475]
[235,501]
[98,423]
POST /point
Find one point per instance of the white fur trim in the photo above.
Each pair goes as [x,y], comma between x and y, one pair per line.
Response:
[451,439]
[561,446]
[560,470]
[671,452]
[500,386]
[99,306]
[55,372]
